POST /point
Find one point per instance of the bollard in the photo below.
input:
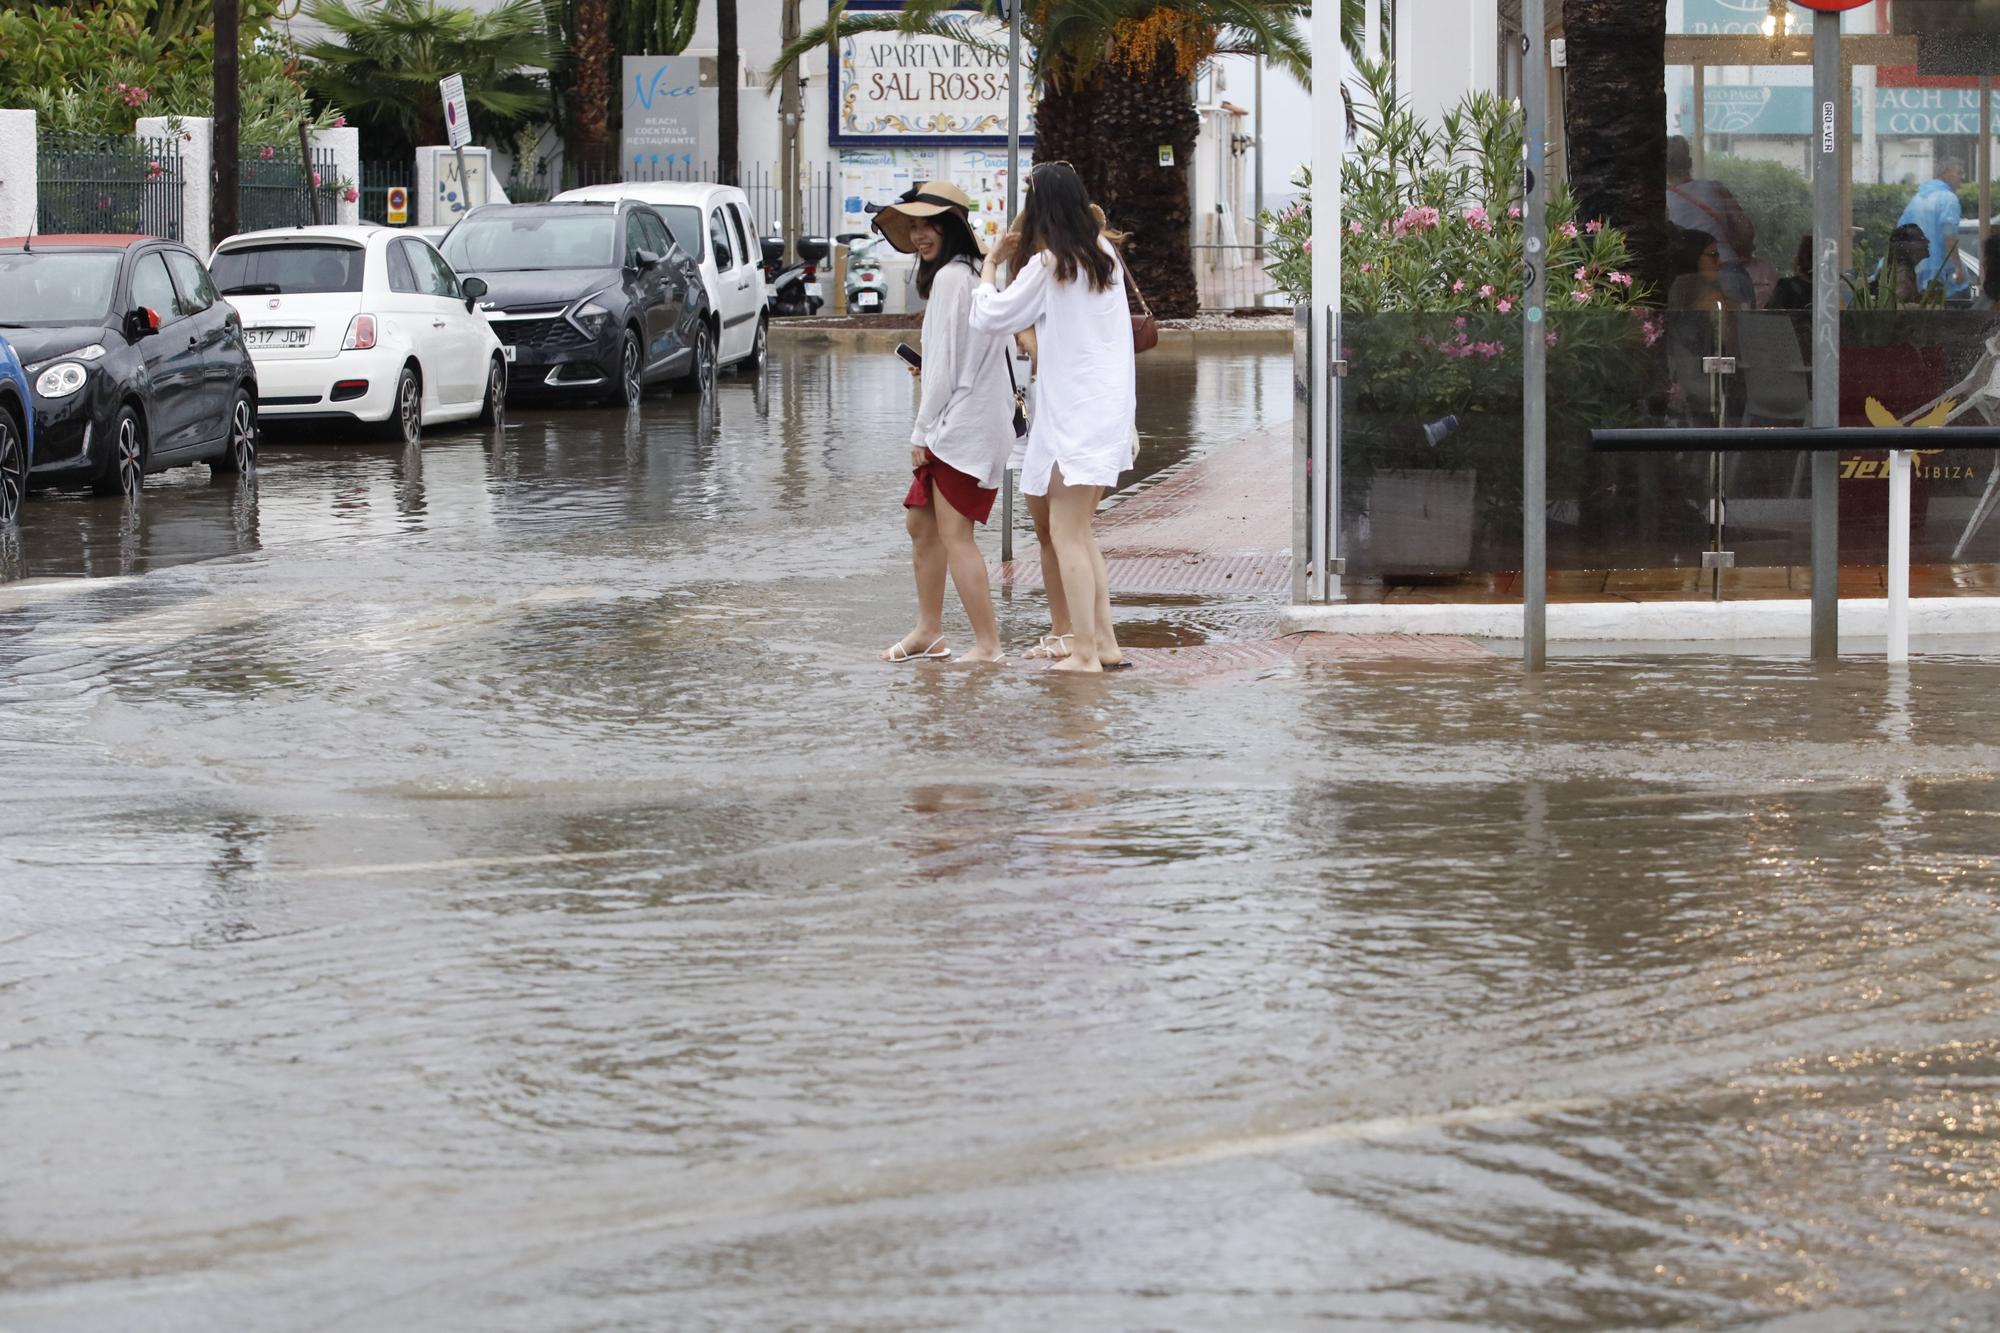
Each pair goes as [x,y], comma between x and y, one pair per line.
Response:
[1899,555]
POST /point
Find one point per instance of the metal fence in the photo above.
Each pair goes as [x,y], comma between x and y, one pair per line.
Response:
[276,187]
[1233,277]
[377,179]
[107,183]
[763,183]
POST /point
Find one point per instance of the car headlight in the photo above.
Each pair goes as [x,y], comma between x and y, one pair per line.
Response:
[590,315]
[61,380]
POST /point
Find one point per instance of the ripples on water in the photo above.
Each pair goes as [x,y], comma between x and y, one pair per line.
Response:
[493,886]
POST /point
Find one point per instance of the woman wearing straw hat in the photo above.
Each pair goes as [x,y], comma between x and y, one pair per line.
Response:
[964,428]
[1069,286]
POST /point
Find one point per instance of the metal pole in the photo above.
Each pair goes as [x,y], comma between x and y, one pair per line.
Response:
[1698,141]
[1534,343]
[226,151]
[1257,129]
[1899,555]
[1985,162]
[1323,455]
[1832,132]
[1013,208]
[789,114]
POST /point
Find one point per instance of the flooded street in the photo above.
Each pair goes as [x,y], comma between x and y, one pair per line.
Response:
[496,887]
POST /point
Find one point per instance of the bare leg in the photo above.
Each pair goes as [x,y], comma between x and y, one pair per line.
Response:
[1038,509]
[1108,651]
[969,576]
[927,557]
[1071,509]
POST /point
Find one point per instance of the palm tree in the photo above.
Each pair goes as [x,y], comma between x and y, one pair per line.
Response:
[384,67]
[728,75]
[590,56]
[1115,86]
[1617,125]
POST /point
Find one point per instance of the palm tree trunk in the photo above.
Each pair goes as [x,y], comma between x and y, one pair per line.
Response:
[1063,127]
[728,76]
[593,81]
[1137,112]
[1617,123]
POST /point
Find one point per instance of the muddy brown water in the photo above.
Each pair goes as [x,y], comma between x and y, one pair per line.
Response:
[493,887]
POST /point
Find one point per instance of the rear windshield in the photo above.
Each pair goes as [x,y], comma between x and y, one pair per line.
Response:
[508,241]
[44,290]
[684,221]
[283,269]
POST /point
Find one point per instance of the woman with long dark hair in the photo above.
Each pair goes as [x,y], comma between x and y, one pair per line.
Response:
[964,428]
[1069,286]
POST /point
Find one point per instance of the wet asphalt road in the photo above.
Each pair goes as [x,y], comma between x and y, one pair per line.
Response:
[493,886]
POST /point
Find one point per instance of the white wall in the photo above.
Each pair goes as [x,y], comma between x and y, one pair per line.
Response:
[1446,49]
[18,196]
[197,160]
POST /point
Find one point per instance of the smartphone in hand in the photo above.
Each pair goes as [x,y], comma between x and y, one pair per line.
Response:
[911,355]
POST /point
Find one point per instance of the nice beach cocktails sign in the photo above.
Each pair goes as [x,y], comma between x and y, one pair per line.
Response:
[933,91]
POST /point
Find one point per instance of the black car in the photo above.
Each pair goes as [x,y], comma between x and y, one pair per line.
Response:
[137,364]
[591,300]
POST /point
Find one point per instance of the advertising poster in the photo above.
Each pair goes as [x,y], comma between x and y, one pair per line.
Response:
[668,128]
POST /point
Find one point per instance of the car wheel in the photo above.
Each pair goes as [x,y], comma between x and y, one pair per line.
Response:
[701,372]
[13,469]
[760,350]
[406,419]
[631,382]
[124,473]
[240,457]
[494,411]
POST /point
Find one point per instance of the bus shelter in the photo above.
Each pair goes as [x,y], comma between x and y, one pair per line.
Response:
[1829,196]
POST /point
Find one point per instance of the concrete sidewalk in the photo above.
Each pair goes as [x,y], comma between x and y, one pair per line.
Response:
[1219,526]
[1218,523]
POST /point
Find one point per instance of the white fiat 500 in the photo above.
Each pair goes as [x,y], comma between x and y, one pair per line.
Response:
[361,324]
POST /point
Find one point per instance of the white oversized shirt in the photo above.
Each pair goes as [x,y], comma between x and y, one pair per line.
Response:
[965,414]
[1086,396]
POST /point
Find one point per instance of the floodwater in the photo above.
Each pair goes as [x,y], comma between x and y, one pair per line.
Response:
[494,887]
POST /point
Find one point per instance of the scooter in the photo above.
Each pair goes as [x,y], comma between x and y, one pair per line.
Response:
[867,289]
[794,290]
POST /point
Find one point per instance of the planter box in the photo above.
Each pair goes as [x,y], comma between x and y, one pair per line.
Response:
[1420,521]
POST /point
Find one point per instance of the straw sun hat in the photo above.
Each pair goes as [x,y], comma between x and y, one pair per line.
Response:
[941,202]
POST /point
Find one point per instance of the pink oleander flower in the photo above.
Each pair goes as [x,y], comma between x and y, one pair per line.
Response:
[1356,229]
[1367,268]
[1309,245]
[1514,213]
[1582,272]
[1460,321]
[1486,292]
[1476,218]
[315,179]
[353,196]
[154,170]
[1505,307]
[1458,287]
[267,152]
[1581,295]
[1620,279]
[1550,340]
[340,122]
[1568,231]
[1651,331]
[1594,226]
[1416,219]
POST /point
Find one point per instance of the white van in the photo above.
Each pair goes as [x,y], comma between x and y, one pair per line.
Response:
[712,223]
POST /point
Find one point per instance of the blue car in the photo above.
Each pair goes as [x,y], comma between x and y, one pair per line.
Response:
[17,433]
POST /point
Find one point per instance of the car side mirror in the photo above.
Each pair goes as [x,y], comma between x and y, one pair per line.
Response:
[648,260]
[143,322]
[474,289]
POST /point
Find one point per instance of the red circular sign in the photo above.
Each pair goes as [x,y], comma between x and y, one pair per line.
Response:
[1832,6]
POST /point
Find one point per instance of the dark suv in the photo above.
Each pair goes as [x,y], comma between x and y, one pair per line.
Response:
[589,300]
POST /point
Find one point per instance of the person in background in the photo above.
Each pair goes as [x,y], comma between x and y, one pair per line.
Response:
[964,426]
[1709,206]
[1794,290]
[1935,210]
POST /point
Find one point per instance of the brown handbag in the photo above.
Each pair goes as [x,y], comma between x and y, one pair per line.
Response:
[1145,329]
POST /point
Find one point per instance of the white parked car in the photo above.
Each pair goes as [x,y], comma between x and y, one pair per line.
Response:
[712,223]
[361,324]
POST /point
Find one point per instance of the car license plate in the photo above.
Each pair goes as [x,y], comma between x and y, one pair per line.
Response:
[267,337]
[507,350]
[867,300]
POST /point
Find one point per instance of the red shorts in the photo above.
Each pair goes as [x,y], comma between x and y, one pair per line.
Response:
[961,492]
